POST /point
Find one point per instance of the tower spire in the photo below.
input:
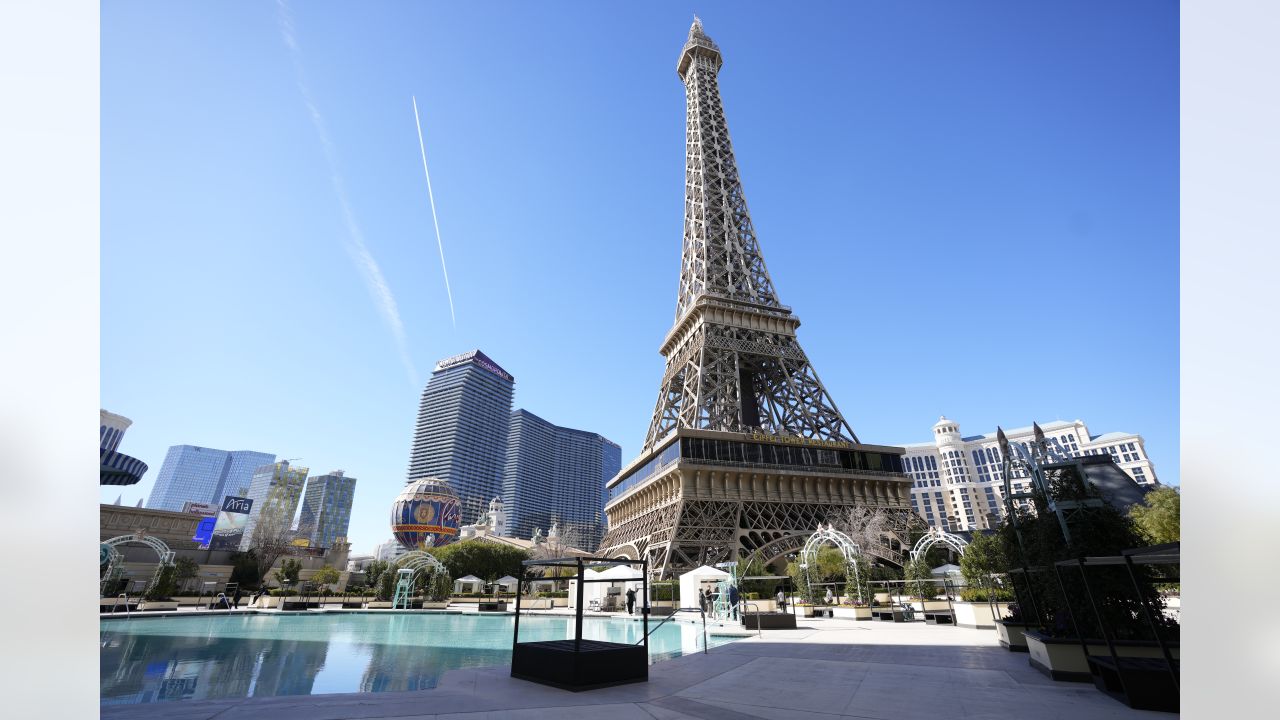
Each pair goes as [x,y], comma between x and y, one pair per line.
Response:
[733,361]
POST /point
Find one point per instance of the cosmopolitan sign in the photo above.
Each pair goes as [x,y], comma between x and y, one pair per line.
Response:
[477,358]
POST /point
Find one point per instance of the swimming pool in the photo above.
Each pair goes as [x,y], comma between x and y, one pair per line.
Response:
[160,659]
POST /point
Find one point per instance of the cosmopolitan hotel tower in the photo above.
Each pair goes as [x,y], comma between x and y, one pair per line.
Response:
[557,475]
[461,436]
[203,475]
[468,435]
[958,482]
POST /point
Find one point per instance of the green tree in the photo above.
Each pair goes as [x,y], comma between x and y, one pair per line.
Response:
[1063,609]
[184,571]
[326,576]
[919,576]
[386,586]
[480,558]
[1158,517]
[983,558]
[288,571]
[244,569]
[439,586]
[373,572]
[162,586]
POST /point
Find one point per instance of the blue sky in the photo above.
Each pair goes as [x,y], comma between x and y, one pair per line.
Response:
[972,207]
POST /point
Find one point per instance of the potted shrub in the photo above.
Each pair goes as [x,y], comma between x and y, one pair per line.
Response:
[1065,610]
[1012,629]
[436,590]
[157,595]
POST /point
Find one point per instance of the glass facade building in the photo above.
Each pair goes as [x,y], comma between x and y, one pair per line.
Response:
[275,490]
[461,434]
[556,474]
[203,475]
[326,508]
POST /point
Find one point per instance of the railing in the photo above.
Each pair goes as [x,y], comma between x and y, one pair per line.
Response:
[116,604]
[646,609]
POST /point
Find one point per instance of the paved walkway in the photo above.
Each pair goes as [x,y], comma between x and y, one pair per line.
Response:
[825,669]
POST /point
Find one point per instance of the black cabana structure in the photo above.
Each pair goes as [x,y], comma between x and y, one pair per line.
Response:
[580,664]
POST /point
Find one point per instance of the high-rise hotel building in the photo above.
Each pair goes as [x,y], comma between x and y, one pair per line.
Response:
[557,475]
[326,508]
[958,482]
[203,475]
[461,435]
[274,490]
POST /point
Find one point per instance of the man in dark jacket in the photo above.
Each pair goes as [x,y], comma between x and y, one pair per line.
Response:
[631,600]
[733,600]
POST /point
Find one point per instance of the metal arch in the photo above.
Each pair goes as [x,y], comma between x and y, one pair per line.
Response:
[848,548]
[935,536]
[114,558]
[415,561]
[420,560]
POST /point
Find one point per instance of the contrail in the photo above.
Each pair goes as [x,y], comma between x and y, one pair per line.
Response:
[439,243]
[364,261]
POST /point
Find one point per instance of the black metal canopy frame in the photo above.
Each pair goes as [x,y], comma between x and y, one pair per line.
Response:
[582,664]
[1135,681]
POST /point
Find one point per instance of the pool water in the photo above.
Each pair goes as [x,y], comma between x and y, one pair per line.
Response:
[175,658]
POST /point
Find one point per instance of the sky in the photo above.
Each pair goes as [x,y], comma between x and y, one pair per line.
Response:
[971,206]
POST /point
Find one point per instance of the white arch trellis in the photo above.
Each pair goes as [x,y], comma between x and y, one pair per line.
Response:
[108,553]
[847,547]
[415,561]
[935,536]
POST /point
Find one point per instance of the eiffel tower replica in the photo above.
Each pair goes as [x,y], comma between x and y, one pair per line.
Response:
[747,452]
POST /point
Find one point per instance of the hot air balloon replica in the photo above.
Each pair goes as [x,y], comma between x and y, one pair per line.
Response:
[426,514]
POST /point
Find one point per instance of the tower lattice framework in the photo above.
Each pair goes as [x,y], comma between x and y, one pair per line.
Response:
[733,361]
[746,452]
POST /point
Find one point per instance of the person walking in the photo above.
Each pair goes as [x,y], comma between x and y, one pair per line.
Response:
[829,597]
[237,597]
[733,600]
[782,601]
[631,601]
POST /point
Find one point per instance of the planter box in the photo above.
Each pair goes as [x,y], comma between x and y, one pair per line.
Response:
[854,613]
[168,606]
[978,615]
[489,606]
[560,602]
[816,611]
[769,621]
[592,664]
[1064,659]
[267,601]
[1012,635]
[536,604]
[432,605]
[888,614]
[379,605]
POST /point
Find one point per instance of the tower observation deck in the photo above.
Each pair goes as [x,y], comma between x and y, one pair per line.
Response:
[747,451]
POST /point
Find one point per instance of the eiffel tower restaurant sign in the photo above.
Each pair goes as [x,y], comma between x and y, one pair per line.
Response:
[746,450]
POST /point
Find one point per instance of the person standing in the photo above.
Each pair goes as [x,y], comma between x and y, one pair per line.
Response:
[829,597]
[733,600]
[237,597]
[702,601]
[631,601]
[782,601]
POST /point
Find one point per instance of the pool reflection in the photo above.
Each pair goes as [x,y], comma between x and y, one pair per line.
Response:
[178,658]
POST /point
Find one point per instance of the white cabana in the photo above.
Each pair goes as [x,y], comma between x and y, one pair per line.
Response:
[507,583]
[590,591]
[692,582]
[468,583]
[624,577]
[949,571]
